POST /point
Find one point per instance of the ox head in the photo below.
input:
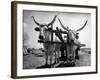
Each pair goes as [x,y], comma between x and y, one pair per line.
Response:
[43,28]
[72,35]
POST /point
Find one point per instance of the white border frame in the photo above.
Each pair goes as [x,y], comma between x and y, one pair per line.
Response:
[35,72]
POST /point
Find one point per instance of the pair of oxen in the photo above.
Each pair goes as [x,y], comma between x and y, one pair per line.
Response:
[69,47]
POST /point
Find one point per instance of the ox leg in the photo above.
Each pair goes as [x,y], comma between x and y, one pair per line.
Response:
[66,54]
[74,60]
[76,52]
[70,54]
[58,57]
[46,60]
[50,60]
[73,55]
[68,51]
[55,57]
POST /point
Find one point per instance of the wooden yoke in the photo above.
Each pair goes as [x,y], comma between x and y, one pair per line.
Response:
[59,34]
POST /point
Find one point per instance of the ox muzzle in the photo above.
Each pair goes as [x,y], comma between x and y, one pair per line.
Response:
[41,37]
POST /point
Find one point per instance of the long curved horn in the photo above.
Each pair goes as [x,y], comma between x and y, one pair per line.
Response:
[82,26]
[35,21]
[62,25]
[52,21]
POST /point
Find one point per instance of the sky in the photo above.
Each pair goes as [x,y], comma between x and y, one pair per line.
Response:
[73,20]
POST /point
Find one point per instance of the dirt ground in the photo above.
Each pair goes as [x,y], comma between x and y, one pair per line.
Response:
[32,61]
[84,59]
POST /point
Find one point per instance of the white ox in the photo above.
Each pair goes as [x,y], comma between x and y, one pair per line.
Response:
[72,41]
[45,35]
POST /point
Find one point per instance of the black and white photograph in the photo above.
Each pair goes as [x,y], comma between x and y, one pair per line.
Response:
[56,39]
[53,39]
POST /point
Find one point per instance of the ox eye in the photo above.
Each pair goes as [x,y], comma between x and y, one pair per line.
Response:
[37,29]
[49,28]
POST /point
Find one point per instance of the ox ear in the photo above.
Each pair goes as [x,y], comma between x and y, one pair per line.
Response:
[82,26]
[62,25]
[52,21]
[35,21]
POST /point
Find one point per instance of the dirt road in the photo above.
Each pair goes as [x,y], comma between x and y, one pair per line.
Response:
[32,61]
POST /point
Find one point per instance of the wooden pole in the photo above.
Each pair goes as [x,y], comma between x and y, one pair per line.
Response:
[51,33]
